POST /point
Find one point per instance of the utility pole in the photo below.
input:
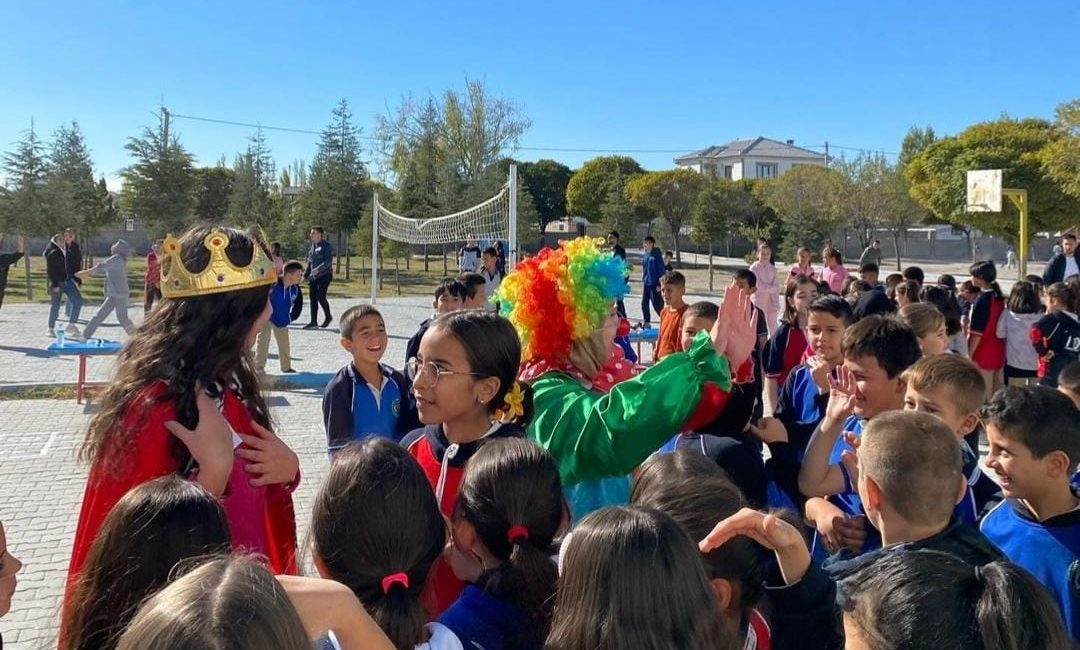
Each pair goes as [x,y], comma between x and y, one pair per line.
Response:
[826,154]
[164,129]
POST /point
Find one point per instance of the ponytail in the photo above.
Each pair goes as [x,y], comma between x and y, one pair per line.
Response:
[377,529]
[512,495]
[1013,611]
[517,405]
[987,272]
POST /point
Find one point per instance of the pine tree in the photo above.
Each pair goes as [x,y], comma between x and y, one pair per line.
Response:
[26,168]
[71,193]
[159,186]
[254,178]
[617,212]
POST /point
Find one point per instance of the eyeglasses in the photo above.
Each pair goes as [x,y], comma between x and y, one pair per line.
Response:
[417,369]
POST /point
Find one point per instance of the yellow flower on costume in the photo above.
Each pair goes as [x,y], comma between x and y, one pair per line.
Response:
[514,405]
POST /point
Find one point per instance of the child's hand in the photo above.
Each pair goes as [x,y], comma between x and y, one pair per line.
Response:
[769,430]
[325,605]
[733,334]
[771,532]
[842,391]
[271,459]
[819,372]
[851,531]
[210,444]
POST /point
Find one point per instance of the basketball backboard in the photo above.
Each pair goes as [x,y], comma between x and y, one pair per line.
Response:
[984,190]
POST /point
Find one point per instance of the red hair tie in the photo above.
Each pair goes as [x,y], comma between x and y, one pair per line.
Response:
[394,579]
[517,533]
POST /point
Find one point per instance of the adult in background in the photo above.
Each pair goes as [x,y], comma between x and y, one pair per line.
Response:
[617,250]
[319,273]
[152,279]
[1062,265]
[74,265]
[871,254]
[6,260]
[469,256]
[500,258]
[62,283]
[652,269]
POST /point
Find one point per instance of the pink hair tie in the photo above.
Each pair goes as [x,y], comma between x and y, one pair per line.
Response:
[394,579]
[517,533]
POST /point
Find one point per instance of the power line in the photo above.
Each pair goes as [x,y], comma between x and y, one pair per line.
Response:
[597,150]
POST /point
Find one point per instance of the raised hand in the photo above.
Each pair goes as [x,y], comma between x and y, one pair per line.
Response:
[271,460]
[842,392]
[771,532]
[734,334]
[819,372]
[210,443]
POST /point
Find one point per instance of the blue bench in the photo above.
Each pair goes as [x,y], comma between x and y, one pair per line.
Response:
[81,350]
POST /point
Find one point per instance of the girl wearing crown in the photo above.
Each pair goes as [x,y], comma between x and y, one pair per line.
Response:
[596,412]
[185,400]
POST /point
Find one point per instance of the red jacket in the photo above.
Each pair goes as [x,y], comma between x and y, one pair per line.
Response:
[150,455]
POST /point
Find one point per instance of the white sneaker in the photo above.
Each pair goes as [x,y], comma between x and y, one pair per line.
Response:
[73,332]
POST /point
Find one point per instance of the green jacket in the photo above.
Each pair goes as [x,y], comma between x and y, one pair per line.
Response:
[594,435]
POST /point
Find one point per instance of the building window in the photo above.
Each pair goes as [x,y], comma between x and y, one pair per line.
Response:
[728,170]
[766,170]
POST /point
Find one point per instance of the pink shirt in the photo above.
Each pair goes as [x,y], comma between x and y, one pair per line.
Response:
[797,270]
[834,276]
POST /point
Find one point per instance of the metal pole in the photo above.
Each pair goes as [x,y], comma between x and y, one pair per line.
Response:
[513,243]
[374,247]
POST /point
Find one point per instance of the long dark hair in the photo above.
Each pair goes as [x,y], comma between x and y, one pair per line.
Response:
[987,272]
[512,495]
[998,606]
[183,342]
[376,516]
[492,348]
[632,578]
[945,301]
[150,530]
[1024,299]
[791,317]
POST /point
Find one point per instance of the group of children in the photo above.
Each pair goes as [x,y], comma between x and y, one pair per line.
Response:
[522,484]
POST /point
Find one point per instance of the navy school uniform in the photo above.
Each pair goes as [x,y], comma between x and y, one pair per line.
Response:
[352,410]
[1049,550]
[784,352]
[739,457]
[800,407]
[480,620]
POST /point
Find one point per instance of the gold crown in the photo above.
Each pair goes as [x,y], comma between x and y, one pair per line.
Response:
[218,276]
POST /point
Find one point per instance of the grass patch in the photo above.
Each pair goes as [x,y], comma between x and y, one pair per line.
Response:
[37,392]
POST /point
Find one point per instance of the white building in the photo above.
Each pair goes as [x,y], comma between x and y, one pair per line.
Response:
[757,158]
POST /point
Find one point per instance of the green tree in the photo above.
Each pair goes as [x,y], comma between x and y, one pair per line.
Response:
[754,218]
[1062,157]
[590,187]
[546,182]
[70,190]
[901,211]
[938,175]
[24,200]
[670,195]
[105,212]
[159,186]
[807,200]
[213,188]
[617,213]
[915,141]
[479,129]
[715,215]
[864,206]
[253,180]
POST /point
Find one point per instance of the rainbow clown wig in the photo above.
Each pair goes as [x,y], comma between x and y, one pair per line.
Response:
[561,295]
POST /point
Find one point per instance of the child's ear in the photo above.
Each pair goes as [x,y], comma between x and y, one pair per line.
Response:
[1057,464]
[465,537]
[968,425]
[486,390]
[724,592]
[346,344]
[874,494]
[961,489]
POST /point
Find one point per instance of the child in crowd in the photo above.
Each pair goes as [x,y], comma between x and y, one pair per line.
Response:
[1022,311]
[999,606]
[152,278]
[786,348]
[945,302]
[601,603]
[449,297]
[510,509]
[474,284]
[277,259]
[152,529]
[236,603]
[805,394]
[1034,436]
[376,528]
[366,397]
[746,281]
[766,297]
[695,492]
[672,289]
[950,387]
[469,256]
[668,257]
[189,366]
[914,274]
[1069,382]
[652,269]
[834,273]
[492,276]
[1056,336]
[598,415]
[906,293]
[929,326]
[877,350]
[464,381]
[117,292]
[286,304]
[801,266]
[869,274]
[986,348]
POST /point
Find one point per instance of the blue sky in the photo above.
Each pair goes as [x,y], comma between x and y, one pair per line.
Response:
[590,75]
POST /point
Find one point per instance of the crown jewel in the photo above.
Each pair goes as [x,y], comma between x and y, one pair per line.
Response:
[219,275]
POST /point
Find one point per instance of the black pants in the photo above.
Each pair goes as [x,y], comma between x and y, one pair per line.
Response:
[318,288]
[650,294]
[152,294]
[3,283]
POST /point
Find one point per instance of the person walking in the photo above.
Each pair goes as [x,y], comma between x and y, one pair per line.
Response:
[319,273]
[117,291]
[62,283]
[871,254]
[6,260]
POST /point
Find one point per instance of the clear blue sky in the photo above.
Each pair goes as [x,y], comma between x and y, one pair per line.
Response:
[592,75]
